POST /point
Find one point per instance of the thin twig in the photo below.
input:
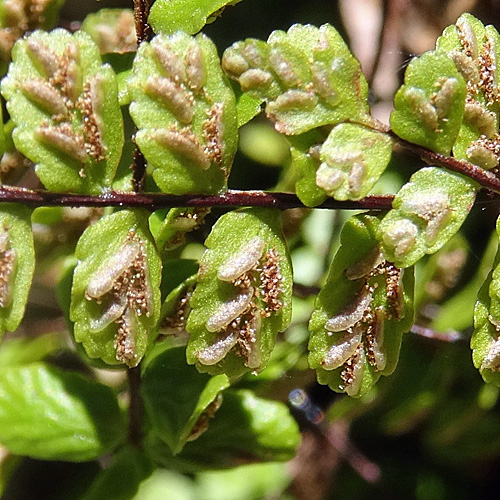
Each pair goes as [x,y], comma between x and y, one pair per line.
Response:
[429,333]
[143,33]
[136,409]
[155,201]
[384,26]
[483,177]
[143,30]
[304,291]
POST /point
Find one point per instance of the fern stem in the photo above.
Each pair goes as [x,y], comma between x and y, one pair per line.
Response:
[429,333]
[143,33]
[155,201]
[143,30]
[484,178]
[136,409]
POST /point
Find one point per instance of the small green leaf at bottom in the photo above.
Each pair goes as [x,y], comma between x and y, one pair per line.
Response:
[245,428]
[179,400]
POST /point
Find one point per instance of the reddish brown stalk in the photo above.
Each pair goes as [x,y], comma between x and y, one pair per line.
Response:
[143,33]
[483,177]
[154,201]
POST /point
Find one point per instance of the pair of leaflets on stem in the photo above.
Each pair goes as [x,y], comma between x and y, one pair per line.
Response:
[65,106]
[470,129]
[242,298]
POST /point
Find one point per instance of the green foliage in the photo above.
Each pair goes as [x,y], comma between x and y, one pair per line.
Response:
[115,299]
[361,312]
[169,227]
[70,418]
[185,111]
[429,107]
[426,213]
[112,30]
[169,16]
[307,77]
[24,15]
[204,332]
[265,431]
[243,296]
[64,104]
[16,17]
[179,401]
[352,159]
[17,258]
[473,48]
[121,479]
[484,342]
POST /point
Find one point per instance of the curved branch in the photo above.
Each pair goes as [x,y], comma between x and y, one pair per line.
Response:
[483,177]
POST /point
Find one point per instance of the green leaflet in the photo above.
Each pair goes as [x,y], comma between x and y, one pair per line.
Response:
[307,76]
[113,30]
[474,50]
[304,152]
[353,157]
[50,414]
[176,306]
[243,296]
[247,107]
[185,111]
[169,16]
[429,107]
[361,313]
[179,401]
[65,107]
[485,341]
[115,299]
[245,428]
[17,262]
[169,227]
[426,213]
